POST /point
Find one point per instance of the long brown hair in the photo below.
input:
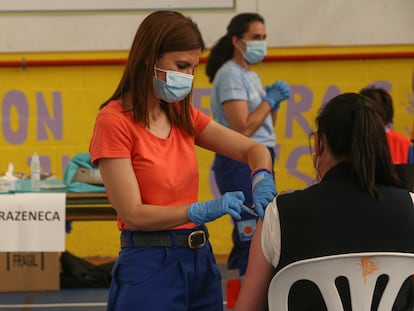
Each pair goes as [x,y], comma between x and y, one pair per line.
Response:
[355,134]
[159,33]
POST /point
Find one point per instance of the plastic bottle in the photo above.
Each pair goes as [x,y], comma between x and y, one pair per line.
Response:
[35,172]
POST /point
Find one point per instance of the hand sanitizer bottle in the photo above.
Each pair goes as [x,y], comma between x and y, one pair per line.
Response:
[35,172]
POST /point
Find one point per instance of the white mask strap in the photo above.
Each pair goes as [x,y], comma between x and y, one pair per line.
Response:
[177,73]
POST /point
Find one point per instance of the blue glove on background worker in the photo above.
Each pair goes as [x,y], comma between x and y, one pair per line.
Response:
[276,93]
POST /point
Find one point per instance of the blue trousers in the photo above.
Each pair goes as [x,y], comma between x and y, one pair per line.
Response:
[233,175]
[165,278]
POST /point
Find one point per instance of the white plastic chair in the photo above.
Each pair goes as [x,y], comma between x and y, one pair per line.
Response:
[362,271]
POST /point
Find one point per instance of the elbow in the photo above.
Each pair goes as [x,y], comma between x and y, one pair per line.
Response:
[246,131]
[138,224]
[134,219]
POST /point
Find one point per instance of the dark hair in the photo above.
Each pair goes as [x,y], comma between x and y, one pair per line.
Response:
[159,33]
[223,50]
[382,99]
[355,133]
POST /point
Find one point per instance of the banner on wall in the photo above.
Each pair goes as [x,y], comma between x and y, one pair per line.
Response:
[52,111]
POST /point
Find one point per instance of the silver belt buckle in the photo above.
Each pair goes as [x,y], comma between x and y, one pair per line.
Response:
[193,235]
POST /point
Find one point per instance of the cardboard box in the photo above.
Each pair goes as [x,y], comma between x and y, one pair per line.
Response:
[29,271]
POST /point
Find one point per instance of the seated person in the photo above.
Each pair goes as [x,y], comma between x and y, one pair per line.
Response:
[400,145]
[355,207]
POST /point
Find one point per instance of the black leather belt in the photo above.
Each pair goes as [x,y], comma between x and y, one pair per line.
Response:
[180,238]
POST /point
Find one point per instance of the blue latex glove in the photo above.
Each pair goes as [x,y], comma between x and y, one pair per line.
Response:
[276,93]
[229,203]
[264,190]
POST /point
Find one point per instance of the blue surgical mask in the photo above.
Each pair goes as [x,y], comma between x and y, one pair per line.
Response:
[176,87]
[255,51]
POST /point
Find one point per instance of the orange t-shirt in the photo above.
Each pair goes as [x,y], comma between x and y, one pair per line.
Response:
[399,147]
[166,169]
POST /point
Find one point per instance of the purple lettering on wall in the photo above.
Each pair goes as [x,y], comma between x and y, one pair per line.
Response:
[386,85]
[15,100]
[44,163]
[292,164]
[44,119]
[296,108]
[330,93]
[65,160]
[277,149]
[213,185]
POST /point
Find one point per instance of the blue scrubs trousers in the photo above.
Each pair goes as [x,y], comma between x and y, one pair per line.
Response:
[233,175]
[166,278]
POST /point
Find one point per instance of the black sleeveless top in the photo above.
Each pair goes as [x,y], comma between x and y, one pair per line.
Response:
[336,216]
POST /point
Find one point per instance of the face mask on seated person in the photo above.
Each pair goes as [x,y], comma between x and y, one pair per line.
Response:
[176,87]
[255,51]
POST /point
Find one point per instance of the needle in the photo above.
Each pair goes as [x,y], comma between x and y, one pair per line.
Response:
[249,210]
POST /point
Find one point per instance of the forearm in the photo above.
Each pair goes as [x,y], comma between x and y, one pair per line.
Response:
[125,195]
[255,119]
[258,156]
[274,117]
[145,217]
[234,145]
[162,218]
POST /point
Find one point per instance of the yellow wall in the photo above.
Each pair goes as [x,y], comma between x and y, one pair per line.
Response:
[67,99]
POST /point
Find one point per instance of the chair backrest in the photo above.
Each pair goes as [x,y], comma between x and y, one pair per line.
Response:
[361,270]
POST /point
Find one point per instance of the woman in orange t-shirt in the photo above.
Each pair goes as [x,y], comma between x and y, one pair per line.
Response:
[144,142]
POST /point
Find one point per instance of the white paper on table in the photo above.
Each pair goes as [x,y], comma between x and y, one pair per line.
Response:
[32,222]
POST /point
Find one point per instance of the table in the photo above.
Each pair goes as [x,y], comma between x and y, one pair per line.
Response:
[89,207]
[79,205]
